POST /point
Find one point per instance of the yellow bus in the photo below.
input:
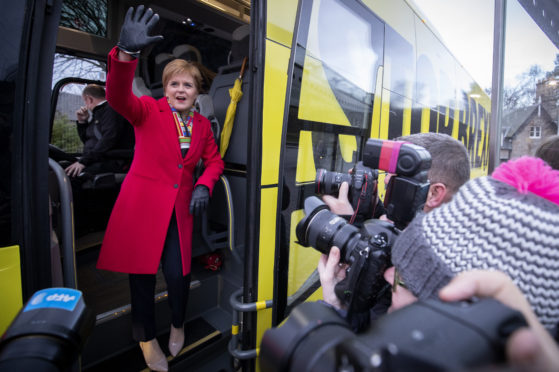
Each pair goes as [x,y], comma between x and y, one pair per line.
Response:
[321,77]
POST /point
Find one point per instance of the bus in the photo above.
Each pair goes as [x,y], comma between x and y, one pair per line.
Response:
[320,78]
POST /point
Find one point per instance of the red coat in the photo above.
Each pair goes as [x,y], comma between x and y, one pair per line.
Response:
[158,181]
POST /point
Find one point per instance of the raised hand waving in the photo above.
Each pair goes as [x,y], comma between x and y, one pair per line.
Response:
[134,35]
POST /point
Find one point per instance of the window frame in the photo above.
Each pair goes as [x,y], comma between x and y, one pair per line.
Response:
[535,131]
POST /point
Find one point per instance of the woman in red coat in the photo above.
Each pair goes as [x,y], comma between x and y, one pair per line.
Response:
[151,221]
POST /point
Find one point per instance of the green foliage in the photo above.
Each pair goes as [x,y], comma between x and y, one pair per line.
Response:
[65,134]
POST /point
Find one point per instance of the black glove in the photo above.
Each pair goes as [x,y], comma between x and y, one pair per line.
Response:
[135,29]
[200,200]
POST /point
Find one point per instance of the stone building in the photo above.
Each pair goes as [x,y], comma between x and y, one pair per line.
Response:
[524,129]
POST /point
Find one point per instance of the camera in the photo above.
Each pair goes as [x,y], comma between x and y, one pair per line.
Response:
[419,337]
[406,191]
[367,250]
[49,332]
[362,183]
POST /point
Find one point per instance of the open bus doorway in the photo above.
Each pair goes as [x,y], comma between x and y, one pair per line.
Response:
[207,39]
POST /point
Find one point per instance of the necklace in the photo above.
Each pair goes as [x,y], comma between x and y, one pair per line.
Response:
[184,127]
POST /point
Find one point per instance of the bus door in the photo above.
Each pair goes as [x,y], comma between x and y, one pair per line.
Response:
[191,31]
[27,46]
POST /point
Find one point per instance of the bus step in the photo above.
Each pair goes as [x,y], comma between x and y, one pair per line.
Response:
[199,334]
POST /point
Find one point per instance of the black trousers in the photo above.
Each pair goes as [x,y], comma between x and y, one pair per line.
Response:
[142,289]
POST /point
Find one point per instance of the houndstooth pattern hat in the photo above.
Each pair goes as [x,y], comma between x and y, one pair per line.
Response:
[489,224]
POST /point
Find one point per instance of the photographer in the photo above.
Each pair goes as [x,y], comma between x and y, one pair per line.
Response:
[507,221]
[449,170]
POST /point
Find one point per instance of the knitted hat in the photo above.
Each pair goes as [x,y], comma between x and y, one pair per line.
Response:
[507,222]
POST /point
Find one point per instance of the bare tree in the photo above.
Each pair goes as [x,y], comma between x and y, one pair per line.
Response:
[524,93]
[89,16]
[555,71]
[71,66]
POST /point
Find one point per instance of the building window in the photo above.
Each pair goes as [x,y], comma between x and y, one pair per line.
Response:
[535,131]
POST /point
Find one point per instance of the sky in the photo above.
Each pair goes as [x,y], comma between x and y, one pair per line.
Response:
[466,27]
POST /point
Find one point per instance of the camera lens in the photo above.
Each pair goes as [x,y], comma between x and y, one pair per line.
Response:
[323,229]
[329,182]
[346,240]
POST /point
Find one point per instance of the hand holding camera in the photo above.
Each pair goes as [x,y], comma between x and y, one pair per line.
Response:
[331,272]
[356,197]
[365,250]
[419,337]
[532,348]
[341,204]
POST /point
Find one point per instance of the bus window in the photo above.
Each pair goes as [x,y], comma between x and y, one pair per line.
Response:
[87,16]
[188,39]
[66,66]
[333,98]
[68,97]
[64,134]
[340,65]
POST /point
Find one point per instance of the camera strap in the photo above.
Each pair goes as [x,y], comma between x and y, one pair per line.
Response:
[362,196]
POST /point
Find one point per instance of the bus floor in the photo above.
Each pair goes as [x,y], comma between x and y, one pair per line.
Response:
[110,346]
[204,351]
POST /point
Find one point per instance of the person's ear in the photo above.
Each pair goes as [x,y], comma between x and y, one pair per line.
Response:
[436,196]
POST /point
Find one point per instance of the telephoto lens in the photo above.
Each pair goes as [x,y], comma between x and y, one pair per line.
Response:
[362,183]
[329,182]
[365,250]
[322,229]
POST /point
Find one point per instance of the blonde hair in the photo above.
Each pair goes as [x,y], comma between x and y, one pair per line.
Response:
[181,66]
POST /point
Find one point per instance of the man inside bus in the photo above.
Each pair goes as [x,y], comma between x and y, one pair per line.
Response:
[506,221]
[104,131]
